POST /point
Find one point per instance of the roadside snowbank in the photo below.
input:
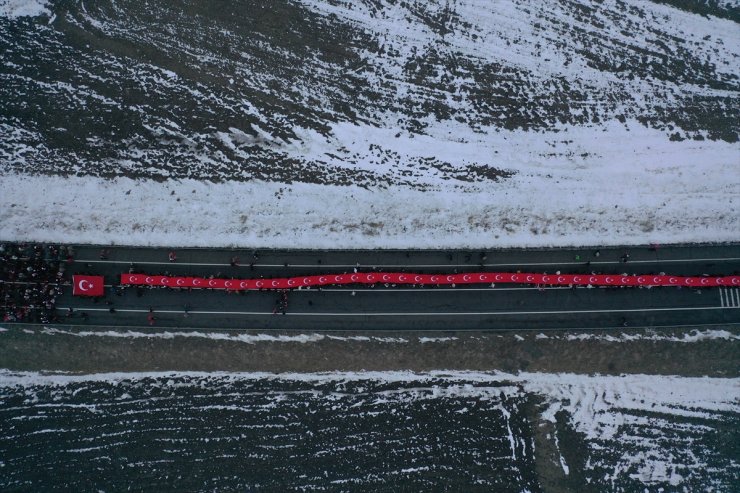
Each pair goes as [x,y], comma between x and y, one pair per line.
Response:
[684,194]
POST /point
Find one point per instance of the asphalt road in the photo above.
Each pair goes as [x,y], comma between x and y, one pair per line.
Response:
[503,307]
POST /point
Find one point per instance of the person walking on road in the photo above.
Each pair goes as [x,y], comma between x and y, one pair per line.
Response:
[150,316]
[172,256]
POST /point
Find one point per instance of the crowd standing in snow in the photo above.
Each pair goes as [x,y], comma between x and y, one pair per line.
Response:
[30,281]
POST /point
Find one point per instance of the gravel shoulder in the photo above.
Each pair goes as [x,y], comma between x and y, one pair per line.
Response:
[36,348]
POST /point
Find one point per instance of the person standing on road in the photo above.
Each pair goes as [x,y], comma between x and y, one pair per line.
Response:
[172,256]
[150,316]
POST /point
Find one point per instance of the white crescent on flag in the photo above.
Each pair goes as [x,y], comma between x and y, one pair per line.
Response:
[84,285]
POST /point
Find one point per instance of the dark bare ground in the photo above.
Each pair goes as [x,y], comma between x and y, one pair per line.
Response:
[35,349]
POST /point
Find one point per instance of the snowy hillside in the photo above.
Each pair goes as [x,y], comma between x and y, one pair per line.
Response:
[331,123]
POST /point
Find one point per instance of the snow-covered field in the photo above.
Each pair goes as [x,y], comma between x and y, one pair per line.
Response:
[369,124]
[637,431]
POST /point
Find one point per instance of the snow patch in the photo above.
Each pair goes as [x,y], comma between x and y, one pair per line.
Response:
[424,340]
[219,336]
[693,336]
[23,8]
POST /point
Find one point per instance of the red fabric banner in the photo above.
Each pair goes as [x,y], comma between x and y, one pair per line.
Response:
[427,279]
[88,285]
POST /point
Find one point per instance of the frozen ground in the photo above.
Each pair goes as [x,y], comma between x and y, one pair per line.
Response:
[370,124]
[323,431]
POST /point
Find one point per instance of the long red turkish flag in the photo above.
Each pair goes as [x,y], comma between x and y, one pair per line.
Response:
[88,285]
[438,279]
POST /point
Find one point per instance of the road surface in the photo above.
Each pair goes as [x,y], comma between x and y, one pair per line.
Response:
[482,307]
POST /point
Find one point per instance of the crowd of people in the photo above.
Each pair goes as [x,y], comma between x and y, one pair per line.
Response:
[30,281]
